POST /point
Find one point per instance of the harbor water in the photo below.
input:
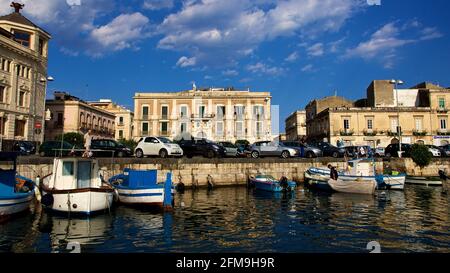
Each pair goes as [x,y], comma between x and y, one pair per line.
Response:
[236,219]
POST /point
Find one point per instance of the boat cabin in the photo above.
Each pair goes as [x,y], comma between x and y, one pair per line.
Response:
[361,167]
[75,173]
[138,179]
[8,167]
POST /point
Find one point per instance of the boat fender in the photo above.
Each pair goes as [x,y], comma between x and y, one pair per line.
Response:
[47,200]
[116,195]
[284,183]
[37,194]
[210,182]
[180,185]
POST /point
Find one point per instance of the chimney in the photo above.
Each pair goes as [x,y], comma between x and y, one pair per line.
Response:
[17,7]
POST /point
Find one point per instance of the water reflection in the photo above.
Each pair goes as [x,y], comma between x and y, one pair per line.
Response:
[240,220]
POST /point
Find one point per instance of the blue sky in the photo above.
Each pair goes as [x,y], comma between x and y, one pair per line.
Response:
[296,49]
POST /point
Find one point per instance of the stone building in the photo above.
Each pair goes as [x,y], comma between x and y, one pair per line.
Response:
[70,114]
[296,125]
[217,114]
[124,118]
[23,78]
[421,113]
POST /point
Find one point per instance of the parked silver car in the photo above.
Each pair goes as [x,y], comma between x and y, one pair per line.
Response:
[231,150]
[309,151]
[271,148]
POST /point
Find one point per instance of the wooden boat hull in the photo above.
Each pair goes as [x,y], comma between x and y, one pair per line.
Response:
[84,201]
[15,204]
[317,182]
[360,186]
[433,181]
[395,182]
[151,196]
[273,186]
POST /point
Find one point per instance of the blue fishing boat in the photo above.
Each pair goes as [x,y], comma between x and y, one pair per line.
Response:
[16,192]
[268,183]
[141,187]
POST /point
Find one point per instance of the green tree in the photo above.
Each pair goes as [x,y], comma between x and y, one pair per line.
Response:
[421,155]
[128,143]
[76,139]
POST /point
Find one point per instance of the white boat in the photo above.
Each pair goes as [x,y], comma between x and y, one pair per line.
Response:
[141,187]
[427,181]
[75,186]
[16,192]
[358,185]
[362,168]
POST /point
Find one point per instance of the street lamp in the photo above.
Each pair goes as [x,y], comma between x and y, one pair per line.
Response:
[396,83]
[44,114]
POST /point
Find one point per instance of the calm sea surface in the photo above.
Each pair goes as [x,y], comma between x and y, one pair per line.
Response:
[241,220]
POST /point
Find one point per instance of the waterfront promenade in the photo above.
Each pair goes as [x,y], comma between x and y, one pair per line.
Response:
[226,171]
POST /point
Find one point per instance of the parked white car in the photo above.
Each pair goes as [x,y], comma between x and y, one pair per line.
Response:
[434,151]
[159,146]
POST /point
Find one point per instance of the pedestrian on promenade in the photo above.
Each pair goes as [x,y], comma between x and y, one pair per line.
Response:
[87,144]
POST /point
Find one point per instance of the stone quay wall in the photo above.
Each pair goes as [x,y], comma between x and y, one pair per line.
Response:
[225,172]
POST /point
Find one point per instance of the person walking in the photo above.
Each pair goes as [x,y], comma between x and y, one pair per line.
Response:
[87,144]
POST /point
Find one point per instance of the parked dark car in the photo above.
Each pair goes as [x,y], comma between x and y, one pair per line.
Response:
[55,148]
[446,150]
[309,151]
[24,147]
[355,151]
[330,150]
[109,148]
[392,150]
[201,147]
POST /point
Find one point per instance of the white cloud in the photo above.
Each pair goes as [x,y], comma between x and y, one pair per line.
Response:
[385,42]
[230,72]
[185,61]
[221,32]
[261,68]
[315,50]
[292,57]
[157,4]
[308,68]
[430,33]
[122,32]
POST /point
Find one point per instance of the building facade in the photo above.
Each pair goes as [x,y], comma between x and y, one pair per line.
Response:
[420,113]
[124,118]
[216,114]
[70,114]
[23,78]
[296,126]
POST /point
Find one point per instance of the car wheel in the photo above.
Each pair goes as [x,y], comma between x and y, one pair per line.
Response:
[285,154]
[255,154]
[42,153]
[120,154]
[388,155]
[309,154]
[210,154]
[163,153]
[335,154]
[139,153]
